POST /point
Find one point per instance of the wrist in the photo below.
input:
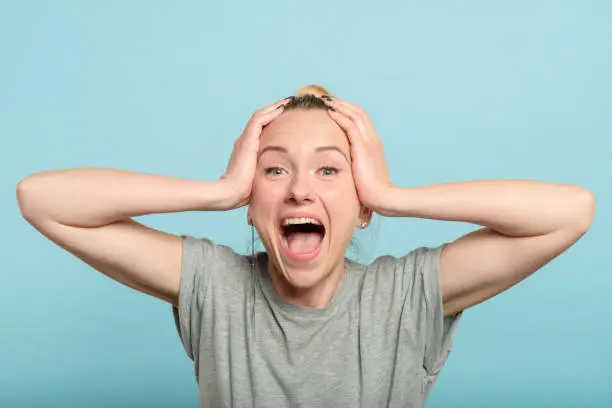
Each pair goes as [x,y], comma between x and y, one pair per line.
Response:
[390,201]
[228,195]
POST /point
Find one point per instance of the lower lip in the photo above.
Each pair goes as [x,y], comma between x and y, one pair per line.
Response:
[302,256]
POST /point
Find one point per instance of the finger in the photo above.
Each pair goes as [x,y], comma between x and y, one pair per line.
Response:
[257,123]
[269,116]
[273,106]
[359,114]
[356,115]
[348,125]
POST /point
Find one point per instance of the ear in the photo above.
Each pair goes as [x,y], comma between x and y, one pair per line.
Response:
[365,217]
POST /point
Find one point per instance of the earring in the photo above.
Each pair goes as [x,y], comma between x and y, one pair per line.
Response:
[364,224]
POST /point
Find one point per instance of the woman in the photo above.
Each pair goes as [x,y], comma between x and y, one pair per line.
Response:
[299,325]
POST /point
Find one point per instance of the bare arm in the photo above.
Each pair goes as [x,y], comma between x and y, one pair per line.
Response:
[94,197]
[88,212]
[527,223]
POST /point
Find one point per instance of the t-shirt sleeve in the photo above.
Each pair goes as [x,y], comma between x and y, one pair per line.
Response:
[197,258]
[425,295]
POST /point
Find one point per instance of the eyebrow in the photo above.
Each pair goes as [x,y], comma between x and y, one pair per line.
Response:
[317,149]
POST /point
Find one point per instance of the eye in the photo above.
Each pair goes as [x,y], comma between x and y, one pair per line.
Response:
[329,171]
[275,171]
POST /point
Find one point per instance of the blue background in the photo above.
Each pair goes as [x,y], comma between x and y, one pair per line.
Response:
[457,90]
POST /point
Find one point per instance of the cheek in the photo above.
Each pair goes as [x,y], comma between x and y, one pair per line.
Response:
[264,198]
[342,203]
[343,189]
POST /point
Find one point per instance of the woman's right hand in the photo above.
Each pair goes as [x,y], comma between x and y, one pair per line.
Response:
[238,177]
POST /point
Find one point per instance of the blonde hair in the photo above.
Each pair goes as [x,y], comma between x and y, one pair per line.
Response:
[308,97]
[315,90]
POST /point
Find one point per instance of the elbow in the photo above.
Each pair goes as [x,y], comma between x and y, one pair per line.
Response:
[584,210]
[26,197]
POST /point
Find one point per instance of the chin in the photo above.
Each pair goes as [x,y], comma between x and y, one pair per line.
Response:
[303,279]
[301,270]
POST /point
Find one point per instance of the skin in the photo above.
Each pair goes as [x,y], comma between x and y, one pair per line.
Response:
[525,223]
[304,164]
[88,211]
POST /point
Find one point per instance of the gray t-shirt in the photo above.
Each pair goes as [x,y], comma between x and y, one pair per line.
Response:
[381,342]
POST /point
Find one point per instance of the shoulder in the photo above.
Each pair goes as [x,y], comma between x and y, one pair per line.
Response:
[402,271]
[213,278]
[208,261]
[398,284]
[205,248]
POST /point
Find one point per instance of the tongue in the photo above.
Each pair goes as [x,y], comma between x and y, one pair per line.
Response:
[303,242]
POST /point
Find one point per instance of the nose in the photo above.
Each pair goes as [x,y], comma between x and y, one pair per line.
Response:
[300,188]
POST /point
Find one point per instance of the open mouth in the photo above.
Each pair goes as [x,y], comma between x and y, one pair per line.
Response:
[302,237]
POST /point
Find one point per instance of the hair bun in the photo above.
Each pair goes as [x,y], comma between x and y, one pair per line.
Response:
[315,90]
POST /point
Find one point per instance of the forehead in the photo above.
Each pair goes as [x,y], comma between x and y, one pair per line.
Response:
[302,129]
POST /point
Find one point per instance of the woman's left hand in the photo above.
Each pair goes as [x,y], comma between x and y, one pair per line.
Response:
[369,165]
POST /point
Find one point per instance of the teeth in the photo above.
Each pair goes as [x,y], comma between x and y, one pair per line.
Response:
[306,220]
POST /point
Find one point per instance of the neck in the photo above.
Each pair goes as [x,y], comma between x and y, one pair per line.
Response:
[318,296]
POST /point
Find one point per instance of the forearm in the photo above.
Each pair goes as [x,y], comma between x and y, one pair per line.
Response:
[511,207]
[91,197]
